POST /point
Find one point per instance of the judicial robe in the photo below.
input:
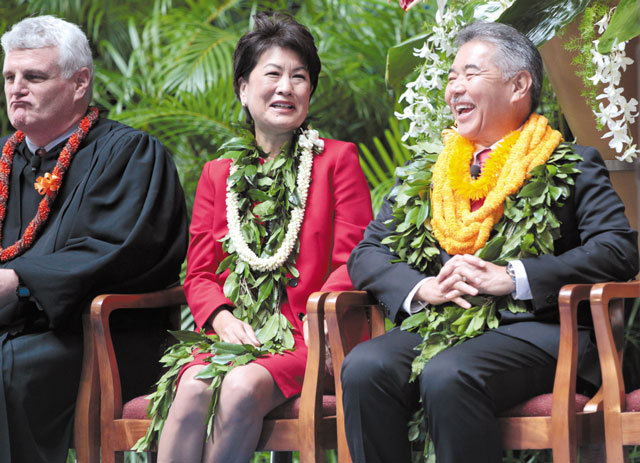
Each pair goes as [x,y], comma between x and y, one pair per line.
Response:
[118,225]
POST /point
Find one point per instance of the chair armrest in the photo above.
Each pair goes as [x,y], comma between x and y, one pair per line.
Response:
[563,406]
[352,317]
[607,311]
[100,336]
[312,387]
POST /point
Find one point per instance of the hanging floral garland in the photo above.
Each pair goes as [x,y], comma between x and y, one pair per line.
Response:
[48,186]
[266,202]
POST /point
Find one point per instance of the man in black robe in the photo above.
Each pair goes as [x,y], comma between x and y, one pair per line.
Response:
[117,224]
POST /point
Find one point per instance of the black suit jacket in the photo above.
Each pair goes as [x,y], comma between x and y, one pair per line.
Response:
[596,244]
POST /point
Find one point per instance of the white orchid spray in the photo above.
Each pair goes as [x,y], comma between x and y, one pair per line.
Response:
[614,111]
[426,110]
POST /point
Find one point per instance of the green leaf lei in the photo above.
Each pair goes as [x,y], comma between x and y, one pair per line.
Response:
[266,190]
[528,228]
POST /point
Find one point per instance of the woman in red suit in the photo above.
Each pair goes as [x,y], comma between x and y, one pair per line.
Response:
[276,69]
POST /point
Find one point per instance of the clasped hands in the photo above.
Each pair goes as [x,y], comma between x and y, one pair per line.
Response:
[465,275]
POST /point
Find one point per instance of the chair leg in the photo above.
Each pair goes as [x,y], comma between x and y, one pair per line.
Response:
[281,457]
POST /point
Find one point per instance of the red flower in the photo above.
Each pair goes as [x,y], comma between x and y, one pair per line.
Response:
[408,4]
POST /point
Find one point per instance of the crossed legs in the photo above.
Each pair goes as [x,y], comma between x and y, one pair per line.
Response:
[248,393]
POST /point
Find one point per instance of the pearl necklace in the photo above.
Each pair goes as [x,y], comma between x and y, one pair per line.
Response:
[308,142]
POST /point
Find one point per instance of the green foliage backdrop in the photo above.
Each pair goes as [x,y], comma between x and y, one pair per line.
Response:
[165,66]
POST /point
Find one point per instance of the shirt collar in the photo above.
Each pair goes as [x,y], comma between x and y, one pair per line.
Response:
[33,147]
[477,149]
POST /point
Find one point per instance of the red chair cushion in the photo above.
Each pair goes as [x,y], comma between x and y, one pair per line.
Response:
[136,409]
[633,401]
[540,405]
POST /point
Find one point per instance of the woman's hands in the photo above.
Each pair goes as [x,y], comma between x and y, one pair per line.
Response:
[232,330]
[465,275]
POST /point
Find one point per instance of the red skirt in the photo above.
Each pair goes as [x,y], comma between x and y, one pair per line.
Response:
[287,369]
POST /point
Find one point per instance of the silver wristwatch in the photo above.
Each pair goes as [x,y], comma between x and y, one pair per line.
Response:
[511,272]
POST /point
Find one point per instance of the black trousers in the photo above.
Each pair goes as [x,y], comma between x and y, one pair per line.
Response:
[39,378]
[462,389]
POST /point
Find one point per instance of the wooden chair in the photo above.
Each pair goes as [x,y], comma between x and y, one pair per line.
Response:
[559,421]
[621,410]
[86,429]
[306,423]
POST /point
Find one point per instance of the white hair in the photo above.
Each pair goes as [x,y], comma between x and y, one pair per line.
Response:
[74,52]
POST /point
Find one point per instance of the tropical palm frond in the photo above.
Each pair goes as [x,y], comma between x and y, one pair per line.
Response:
[353,39]
[187,120]
[379,166]
[196,55]
[204,57]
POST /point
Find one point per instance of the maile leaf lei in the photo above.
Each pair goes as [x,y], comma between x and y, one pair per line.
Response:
[268,198]
[527,228]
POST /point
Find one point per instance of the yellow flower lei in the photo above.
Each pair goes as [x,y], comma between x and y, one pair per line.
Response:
[457,229]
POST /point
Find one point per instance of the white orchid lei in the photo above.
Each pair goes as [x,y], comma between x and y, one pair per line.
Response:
[263,199]
[615,111]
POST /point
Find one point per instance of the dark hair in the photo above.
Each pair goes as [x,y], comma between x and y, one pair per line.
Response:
[277,29]
[514,52]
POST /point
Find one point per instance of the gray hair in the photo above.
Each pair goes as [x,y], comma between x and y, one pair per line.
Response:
[514,52]
[49,31]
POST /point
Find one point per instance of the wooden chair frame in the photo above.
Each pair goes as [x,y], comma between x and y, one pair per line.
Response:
[607,307]
[310,432]
[563,431]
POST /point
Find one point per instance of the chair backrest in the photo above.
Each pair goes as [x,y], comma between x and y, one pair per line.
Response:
[135,335]
[308,431]
[566,426]
[352,316]
[607,308]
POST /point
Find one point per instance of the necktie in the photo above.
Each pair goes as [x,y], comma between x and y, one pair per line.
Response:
[479,161]
[35,160]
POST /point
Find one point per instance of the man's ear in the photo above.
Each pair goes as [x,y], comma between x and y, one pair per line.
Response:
[82,81]
[521,85]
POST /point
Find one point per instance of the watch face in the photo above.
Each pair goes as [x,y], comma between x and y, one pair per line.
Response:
[23,292]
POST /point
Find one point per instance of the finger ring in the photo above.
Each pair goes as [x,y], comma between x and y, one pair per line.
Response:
[464,279]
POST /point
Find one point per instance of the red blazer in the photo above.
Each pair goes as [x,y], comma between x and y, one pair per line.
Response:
[338,210]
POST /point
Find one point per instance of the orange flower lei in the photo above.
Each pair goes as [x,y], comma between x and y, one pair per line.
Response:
[51,188]
[457,229]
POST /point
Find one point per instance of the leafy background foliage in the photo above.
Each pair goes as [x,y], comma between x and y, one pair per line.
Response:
[165,66]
